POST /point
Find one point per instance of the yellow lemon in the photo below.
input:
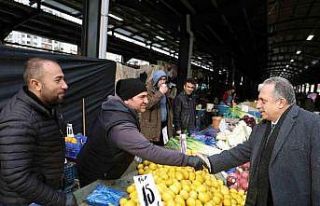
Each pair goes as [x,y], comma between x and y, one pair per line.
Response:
[152,166]
[191,201]
[131,188]
[209,204]
[179,176]
[123,201]
[166,197]
[131,203]
[174,189]
[141,171]
[208,182]
[184,194]
[198,203]
[168,181]
[193,194]
[185,174]
[201,188]
[186,187]
[146,162]
[204,197]
[170,203]
[179,199]
[192,176]
[216,200]
[224,190]
[232,190]
[133,195]
[226,202]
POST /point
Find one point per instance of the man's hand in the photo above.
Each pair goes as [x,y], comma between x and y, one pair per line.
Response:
[163,88]
[206,160]
[198,162]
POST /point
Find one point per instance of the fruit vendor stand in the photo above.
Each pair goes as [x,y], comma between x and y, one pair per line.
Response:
[184,185]
[176,185]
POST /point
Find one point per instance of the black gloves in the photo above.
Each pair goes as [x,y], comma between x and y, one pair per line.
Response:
[198,163]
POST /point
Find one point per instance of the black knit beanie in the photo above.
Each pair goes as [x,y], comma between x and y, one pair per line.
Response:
[128,88]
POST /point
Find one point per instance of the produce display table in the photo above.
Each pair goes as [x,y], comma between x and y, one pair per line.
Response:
[120,184]
[81,194]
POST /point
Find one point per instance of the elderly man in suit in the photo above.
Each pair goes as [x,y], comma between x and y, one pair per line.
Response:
[283,149]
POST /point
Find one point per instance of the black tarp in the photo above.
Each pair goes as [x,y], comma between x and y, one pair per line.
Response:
[89,78]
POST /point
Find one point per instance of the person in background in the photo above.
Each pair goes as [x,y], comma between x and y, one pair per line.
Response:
[184,112]
[157,121]
[229,96]
[32,139]
[283,150]
[308,104]
[317,103]
[115,138]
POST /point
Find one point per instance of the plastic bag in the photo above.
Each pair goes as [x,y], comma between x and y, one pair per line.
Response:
[104,196]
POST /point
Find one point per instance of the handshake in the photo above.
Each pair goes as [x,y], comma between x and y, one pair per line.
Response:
[199,162]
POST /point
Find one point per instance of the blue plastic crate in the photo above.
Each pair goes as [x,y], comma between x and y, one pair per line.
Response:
[73,149]
[222,109]
[70,173]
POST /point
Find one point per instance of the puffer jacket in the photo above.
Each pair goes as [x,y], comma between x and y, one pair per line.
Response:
[151,119]
[31,153]
[184,112]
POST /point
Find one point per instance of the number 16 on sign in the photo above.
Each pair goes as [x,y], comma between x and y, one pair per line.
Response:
[148,193]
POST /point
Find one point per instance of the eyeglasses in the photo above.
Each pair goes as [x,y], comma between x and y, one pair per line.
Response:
[264,101]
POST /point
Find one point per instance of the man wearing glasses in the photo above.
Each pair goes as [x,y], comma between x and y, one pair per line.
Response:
[283,149]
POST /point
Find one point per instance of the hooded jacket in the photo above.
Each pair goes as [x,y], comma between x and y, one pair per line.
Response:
[114,141]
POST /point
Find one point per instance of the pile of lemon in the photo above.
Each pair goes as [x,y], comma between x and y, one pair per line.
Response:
[72,140]
[183,186]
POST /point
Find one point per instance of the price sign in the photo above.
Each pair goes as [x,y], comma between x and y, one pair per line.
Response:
[148,193]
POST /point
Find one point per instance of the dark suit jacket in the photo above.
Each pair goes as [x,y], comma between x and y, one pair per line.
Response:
[294,170]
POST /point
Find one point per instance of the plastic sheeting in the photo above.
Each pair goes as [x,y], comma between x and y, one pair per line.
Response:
[89,78]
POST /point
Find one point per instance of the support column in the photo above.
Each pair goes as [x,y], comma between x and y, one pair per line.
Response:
[185,52]
[94,28]
[103,29]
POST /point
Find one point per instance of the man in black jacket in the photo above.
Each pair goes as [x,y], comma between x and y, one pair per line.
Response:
[31,139]
[184,112]
[115,138]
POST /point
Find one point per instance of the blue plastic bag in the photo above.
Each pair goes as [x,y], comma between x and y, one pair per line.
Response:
[104,196]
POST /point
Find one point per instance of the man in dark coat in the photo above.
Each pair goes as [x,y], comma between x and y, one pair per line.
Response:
[115,138]
[32,141]
[184,111]
[284,151]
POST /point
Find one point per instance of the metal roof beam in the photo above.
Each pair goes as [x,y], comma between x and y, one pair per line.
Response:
[15,24]
[187,4]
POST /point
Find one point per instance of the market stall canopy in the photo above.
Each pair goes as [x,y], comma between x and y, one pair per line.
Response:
[257,38]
